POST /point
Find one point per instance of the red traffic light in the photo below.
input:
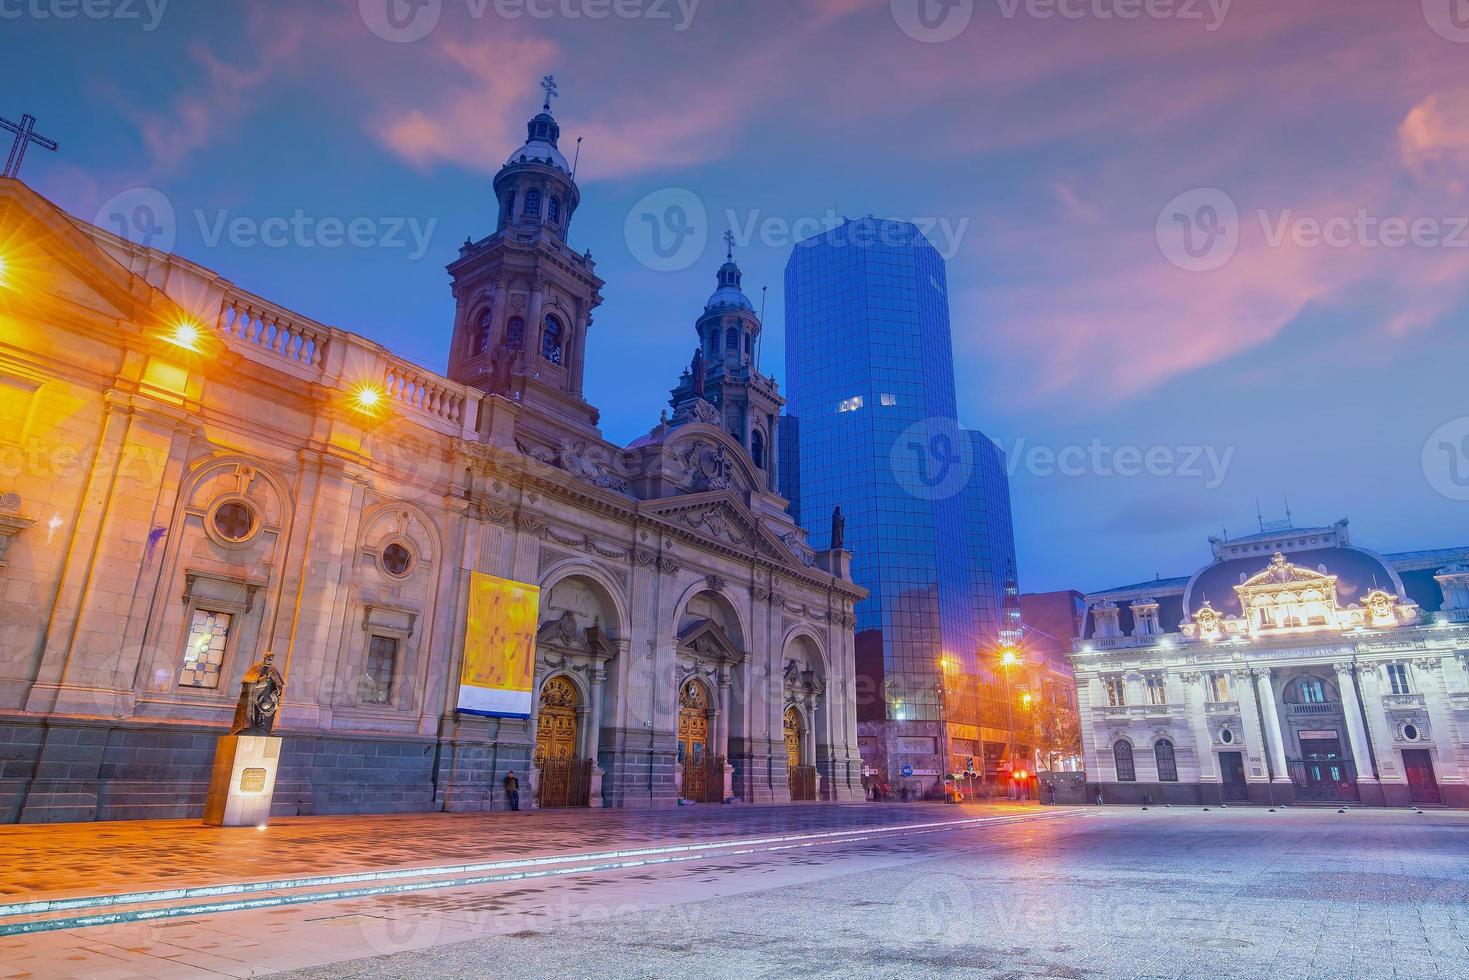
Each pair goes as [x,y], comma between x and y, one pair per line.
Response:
[1020,774]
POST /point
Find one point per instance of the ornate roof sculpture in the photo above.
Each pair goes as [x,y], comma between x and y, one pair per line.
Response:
[1285,598]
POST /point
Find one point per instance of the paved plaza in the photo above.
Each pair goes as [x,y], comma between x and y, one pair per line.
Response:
[854,890]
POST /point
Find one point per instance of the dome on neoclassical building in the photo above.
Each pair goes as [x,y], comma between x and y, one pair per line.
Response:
[536,188]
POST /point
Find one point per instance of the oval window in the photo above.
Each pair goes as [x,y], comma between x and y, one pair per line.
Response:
[1226,736]
[397,560]
[234,521]
[1410,732]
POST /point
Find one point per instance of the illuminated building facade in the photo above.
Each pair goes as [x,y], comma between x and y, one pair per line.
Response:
[195,476]
[1296,666]
[870,377]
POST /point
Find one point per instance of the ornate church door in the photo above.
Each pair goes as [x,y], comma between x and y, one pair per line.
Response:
[793,739]
[801,777]
[562,782]
[693,739]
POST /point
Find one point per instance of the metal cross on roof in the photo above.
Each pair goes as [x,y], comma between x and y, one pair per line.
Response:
[25,134]
[549,84]
[729,239]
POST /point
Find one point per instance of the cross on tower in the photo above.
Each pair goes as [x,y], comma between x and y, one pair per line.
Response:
[25,134]
[552,92]
[729,240]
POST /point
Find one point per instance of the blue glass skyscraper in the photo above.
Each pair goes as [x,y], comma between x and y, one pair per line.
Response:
[872,421]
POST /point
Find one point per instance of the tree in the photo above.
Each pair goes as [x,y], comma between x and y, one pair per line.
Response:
[1057,728]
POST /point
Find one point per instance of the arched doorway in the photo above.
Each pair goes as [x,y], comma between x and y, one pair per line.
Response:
[800,776]
[693,741]
[564,779]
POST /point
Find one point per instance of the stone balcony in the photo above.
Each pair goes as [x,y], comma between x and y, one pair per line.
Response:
[1402,701]
[1297,710]
[1225,708]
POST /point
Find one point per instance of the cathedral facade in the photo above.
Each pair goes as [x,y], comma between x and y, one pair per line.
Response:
[194,476]
[1296,667]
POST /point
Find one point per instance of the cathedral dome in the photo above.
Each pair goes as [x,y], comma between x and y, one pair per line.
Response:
[540,144]
[729,295]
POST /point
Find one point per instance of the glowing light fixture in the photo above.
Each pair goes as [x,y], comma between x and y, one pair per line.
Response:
[186,335]
[1009,657]
[368,397]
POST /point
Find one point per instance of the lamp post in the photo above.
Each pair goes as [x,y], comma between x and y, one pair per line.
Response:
[1009,658]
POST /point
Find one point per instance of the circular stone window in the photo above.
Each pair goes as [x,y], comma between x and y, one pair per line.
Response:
[234,521]
[397,560]
[1411,732]
[1226,736]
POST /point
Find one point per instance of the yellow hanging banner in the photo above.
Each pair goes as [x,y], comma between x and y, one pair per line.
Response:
[499,647]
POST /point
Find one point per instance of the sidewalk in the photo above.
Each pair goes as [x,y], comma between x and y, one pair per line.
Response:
[58,861]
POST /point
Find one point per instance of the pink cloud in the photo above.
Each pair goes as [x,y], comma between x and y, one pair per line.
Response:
[197,119]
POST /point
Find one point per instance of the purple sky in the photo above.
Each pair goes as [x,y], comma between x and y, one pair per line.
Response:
[1309,342]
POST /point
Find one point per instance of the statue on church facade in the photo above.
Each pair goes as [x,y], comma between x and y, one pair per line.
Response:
[838,530]
[261,690]
[698,373]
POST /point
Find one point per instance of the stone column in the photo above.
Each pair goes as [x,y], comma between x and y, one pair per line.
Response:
[1429,677]
[1198,715]
[1274,740]
[594,719]
[1249,715]
[1356,734]
[721,734]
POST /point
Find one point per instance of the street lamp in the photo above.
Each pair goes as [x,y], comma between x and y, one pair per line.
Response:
[1008,659]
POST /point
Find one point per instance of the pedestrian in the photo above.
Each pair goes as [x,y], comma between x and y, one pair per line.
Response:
[512,790]
[1051,792]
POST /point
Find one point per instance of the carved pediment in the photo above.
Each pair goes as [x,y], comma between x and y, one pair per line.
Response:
[706,640]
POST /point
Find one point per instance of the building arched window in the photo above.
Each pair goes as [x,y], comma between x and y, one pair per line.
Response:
[510,206]
[553,210]
[1122,756]
[1312,691]
[533,204]
[757,448]
[551,339]
[1167,761]
[732,339]
[515,334]
[482,333]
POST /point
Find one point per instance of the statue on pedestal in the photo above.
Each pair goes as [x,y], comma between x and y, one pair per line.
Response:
[260,699]
[697,371]
[838,530]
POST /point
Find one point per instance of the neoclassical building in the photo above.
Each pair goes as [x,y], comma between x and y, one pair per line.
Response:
[1295,667]
[192,475]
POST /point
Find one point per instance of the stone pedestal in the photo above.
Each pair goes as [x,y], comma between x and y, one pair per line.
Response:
[243,781]
[595,797]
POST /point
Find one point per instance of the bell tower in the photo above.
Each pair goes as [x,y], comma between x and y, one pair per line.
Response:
[724,373]
[524,297]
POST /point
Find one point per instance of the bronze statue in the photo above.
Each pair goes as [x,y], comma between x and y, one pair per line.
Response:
[260,699]
[838,530]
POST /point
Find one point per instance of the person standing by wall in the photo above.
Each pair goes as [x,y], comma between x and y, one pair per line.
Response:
[512,790]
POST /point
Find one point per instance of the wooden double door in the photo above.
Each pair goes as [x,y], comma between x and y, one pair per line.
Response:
[703,771]
[800,776]
[564,779]
[1422,785]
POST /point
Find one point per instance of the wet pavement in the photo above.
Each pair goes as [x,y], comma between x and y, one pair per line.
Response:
[1055,893]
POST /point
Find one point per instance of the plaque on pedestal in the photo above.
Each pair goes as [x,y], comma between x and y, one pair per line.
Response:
[243,781]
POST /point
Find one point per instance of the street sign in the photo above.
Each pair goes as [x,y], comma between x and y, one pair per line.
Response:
[907,770]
